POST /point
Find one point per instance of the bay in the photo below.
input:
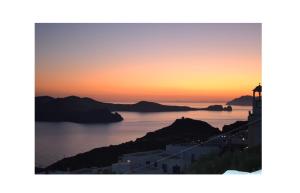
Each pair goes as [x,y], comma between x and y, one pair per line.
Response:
[56,140]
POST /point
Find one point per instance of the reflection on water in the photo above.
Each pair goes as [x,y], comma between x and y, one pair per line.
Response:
[54,141]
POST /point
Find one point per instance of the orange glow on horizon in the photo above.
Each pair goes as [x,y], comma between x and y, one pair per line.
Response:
[133,82]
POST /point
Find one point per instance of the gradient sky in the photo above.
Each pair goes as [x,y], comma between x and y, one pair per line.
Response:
[156,62]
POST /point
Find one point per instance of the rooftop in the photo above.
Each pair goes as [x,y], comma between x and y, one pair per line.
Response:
[143,153]
[184,144]
[258,88]
[169,156]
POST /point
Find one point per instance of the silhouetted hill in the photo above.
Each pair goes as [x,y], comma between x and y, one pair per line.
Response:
[73,109]
[235,125]
[182,130]
[241,101]
[145,106]
[74,103]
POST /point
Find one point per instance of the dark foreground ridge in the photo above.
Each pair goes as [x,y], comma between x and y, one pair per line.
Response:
[181,131]
[72,109]
[241,101]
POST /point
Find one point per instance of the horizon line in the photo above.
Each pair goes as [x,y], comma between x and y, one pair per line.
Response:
[135,101]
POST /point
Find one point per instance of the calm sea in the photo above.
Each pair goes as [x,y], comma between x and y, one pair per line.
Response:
[54,141]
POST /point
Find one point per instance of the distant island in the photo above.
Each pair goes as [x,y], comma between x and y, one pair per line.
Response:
[241,101]
[180,131]
[87,110]
[146,106]
[217,108]
[72,109]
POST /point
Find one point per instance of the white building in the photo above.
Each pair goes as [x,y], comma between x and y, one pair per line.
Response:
[254,129]
[130,163]
[121,167]
[174,159]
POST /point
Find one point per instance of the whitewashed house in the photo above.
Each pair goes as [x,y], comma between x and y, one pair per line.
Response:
[131,162]
[174,159]
[121,167]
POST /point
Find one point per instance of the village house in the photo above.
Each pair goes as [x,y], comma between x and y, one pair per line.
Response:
[174,159]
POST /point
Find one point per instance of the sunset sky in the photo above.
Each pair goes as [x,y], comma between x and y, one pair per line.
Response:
[155,62]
